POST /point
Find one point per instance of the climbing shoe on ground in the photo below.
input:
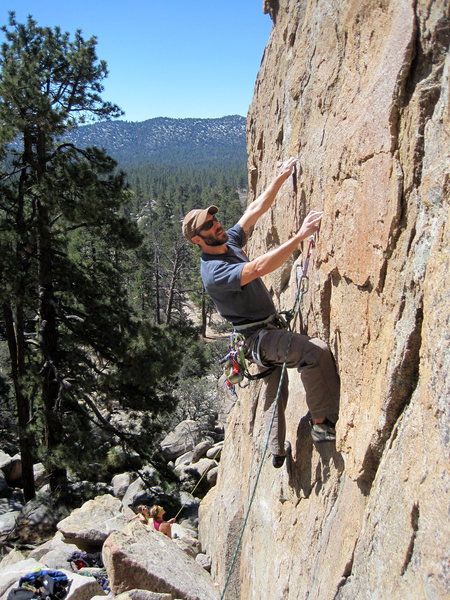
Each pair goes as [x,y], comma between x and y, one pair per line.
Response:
[323,432]
[278,459]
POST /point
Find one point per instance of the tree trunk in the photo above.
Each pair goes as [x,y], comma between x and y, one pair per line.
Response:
[15,334]
[48,341]
[173,282]
[157,290]
[16,345]
[204,313]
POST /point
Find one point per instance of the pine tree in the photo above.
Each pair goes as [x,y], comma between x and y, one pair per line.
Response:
[64,236]
[167,279]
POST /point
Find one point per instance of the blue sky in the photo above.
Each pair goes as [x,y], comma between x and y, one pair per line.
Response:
[166,58]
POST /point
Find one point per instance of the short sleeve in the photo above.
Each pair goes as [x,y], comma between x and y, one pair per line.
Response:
[224,276]
[237,235]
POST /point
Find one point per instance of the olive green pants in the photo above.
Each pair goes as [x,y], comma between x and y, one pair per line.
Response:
[313,360]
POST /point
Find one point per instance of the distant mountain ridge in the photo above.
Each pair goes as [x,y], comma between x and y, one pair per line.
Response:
[166,141]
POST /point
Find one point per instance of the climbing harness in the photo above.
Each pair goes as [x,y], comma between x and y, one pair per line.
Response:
[255,324]
[289,315]
[234,363]
[256,357]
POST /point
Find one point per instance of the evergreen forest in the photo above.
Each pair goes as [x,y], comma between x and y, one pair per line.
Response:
[102,309]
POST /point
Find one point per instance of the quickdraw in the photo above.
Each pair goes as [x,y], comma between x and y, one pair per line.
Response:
[235,366]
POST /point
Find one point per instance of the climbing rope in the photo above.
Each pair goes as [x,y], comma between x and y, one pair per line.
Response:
[198,482]
[302,288]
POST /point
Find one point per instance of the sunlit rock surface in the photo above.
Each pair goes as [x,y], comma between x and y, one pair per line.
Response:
[358,90]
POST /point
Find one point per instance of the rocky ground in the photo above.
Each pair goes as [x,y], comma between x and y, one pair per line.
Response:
[139,562]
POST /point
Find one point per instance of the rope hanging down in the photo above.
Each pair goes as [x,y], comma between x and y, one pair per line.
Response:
[302,288]
[198,482]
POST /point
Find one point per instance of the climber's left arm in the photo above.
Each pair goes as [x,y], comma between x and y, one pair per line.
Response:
[265,200]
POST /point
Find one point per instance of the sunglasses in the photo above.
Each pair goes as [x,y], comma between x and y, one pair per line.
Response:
[207,226]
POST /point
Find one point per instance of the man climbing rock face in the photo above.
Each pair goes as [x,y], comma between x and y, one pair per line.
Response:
[235,285]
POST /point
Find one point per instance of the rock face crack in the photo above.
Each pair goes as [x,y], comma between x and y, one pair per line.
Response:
[424,81]
[415,527]
[345,575]
[419,81]
[403,383]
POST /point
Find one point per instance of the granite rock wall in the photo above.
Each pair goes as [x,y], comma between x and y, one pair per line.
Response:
[358,91]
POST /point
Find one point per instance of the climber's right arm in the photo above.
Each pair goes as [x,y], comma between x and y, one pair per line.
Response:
[273,259]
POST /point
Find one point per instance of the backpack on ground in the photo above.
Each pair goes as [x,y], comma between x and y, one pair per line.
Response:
[41,585]
[85,559]
[21,594]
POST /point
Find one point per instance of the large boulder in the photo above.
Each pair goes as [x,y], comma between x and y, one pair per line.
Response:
[13,470]
[215,451]
[143,595]
[5,459]
[10,510]
[211,476]
[40,475]
[204,561]
[54,553]
[200,468]
[81,588]
[186,534]
[8,522]
[201,449]
[89,526]
[139,490]
[12,557]
[120,484]
[185,458]
[143,558]
[184,539]
[38,519]
[183,438]
[198,472]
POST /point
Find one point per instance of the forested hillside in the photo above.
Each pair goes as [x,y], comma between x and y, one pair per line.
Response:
[163,141]
[165,273]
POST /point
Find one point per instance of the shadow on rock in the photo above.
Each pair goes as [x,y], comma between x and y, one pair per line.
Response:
[300,470]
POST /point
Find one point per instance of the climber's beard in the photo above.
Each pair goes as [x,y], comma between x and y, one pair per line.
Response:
[217,238]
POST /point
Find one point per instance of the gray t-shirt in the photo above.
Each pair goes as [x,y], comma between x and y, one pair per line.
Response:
[221,275]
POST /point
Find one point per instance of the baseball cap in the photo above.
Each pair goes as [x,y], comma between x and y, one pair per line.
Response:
[195,219]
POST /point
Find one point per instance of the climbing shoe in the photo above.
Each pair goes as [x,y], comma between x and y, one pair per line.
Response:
[278,459]
[323,432]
